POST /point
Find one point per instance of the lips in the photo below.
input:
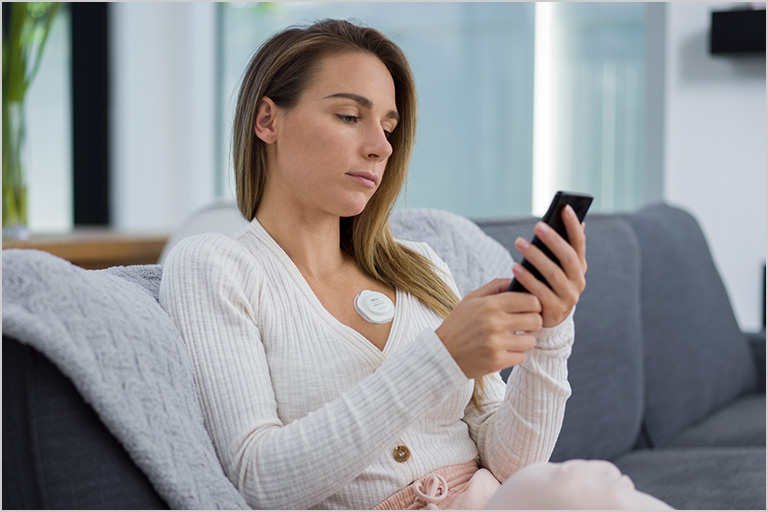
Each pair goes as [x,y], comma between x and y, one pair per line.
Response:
[366,179]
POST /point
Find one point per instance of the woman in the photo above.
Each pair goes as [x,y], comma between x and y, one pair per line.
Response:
[336,366]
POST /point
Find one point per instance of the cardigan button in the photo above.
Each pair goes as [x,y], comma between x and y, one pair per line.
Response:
[401,453]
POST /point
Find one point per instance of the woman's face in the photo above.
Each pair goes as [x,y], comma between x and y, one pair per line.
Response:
[330,150]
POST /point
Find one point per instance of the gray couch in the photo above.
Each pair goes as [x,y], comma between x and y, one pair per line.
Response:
[99,409]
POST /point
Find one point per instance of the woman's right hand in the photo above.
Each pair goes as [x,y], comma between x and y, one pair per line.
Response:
[490,328]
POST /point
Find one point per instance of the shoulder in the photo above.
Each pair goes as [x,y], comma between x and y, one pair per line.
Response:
[207,248]
[424,249]
[209,257]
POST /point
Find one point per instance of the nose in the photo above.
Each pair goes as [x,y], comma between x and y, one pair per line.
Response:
[377,146]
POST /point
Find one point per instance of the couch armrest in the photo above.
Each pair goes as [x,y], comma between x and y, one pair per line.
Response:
[757,344]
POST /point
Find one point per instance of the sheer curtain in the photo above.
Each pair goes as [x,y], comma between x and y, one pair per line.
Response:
[595,135]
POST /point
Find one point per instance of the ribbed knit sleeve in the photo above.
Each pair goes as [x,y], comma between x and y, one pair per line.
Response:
[519,425]
[211,289]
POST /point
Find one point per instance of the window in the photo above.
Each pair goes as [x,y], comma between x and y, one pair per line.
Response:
[591,103]
[475,65]
[66,145]
[49,133]
[485,147]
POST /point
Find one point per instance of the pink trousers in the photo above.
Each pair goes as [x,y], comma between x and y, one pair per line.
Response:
[576,484]
[458,487]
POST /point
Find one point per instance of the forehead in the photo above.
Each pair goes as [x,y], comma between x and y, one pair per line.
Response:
[356,73]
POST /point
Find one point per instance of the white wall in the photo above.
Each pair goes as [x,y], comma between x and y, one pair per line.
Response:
[715,150]
[163,112]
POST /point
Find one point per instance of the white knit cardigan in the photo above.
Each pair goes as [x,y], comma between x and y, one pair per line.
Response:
[304,412]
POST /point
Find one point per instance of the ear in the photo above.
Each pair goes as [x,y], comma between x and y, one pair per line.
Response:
[265,128]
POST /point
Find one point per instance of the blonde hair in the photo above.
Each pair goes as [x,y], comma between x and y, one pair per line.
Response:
[280,70]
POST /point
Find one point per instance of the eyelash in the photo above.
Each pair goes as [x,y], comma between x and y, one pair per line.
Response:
[356,119]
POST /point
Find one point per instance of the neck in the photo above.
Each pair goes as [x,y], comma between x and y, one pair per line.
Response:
[313,242]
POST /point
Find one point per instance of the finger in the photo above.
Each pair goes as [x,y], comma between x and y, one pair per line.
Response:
[555,304]
[520,343]
[576,235]
[536,287]
[524,323]
[510,359]
[549,270]
[515,349]
[496,286]
[570,262]
[519,302]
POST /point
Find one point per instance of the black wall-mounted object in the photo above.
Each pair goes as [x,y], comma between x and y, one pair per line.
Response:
[738,32]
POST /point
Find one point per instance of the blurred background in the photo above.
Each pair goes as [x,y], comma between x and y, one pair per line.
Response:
[128,119]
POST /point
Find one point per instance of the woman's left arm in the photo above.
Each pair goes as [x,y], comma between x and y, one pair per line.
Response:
[520,426]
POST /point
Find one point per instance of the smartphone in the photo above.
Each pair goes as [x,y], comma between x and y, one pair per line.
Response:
[554,218]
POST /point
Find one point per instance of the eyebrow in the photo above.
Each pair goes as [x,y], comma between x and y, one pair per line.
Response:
[362,100]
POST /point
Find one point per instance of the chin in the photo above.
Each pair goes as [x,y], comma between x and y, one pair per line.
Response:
[352,213]
[352,207]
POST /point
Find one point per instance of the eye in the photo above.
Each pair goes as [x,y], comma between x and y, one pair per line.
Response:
[349,119]
[388,129]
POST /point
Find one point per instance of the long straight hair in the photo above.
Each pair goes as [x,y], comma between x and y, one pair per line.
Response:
[280,70]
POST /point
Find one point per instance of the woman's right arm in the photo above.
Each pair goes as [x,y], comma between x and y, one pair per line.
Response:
[210,288]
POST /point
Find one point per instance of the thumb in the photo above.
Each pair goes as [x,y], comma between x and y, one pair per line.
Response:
[498,285]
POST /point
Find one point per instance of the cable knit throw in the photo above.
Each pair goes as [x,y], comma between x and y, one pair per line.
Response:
[106,331]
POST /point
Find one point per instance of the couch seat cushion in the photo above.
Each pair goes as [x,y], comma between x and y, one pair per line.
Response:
[700,478]
[741,423]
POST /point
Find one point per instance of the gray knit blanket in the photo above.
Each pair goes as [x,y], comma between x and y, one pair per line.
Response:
[106,331]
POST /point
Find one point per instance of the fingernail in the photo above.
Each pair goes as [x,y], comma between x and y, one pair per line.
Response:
[521,243]
[517,269]
[569,210]
[542,228]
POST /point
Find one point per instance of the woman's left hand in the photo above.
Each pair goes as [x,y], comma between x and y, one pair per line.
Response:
[567,282]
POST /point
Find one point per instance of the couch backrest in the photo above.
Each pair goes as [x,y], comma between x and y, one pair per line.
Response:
[604,414]
[696,357]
